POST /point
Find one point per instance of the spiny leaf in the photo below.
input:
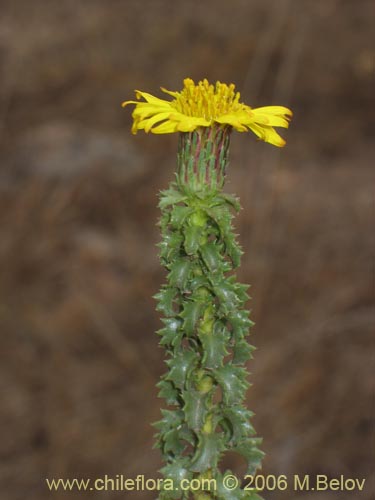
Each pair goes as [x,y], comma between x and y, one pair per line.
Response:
[208,452]
[237,422]
[233,201]
[251,453]
[166,298]
[242,351]
[170,246]
[179,273]
[240,323]
[192,238]
[171,334]
[214,347]
[170,196]
[233,248]
[232,380]
[211,256]
[177,470]
[180,366]
[170,419]
[179,214]
[225,493]
[195,408]
[226,295]
[168,392]
[191,313]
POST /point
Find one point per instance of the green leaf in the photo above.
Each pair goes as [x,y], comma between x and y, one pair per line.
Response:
[180,366]
[170,246]
[208,452]
[172,442]
[176,471]
[232,380]
[170,197]
[248,448]
[211,256]
[168,392]
[231,200]
[178,215]
[192,238]
[242,351]
[166,298]
[179,273]
[191,315]
[195,408]
[225,493]
[170,419]
[227,296]
[240,322]
[237,423]
[233,248]
[214,346]
[171,334]
[240,289]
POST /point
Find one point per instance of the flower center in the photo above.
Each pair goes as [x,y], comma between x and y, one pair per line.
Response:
[206,100]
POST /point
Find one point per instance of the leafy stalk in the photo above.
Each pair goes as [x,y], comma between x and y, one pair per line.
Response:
[205,323]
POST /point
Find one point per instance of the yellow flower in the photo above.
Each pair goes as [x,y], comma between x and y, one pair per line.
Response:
[203,105]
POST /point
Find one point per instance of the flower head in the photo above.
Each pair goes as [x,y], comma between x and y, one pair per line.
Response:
[204,105]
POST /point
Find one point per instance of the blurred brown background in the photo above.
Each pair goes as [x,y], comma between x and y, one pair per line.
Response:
[79,357]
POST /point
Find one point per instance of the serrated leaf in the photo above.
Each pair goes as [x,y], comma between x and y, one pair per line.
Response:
[165,299]
[191,314]
[240,289]
[172,442]
[179,273]
[242,351]
[170,419]
[171,334]
[232,380]
[211,256]
[214,347]
[178,215]
[226,295]
[171,197]
[200,282]
[225,493]
[180,366]
[168,392]
[237,423]
[176,471]
[233,249]
[208,452]
[240,323]
[192,237]
[231,200]
[195,408]
[251,453]
[170,246]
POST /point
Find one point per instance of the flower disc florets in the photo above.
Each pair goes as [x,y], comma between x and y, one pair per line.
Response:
[204,105]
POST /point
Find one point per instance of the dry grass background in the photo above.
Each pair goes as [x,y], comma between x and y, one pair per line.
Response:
[79,357]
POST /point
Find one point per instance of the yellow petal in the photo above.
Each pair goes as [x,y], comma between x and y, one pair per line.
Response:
[278,111]
[167,127]
[267,134]
[232,120]
[148,123]
[170,92]
[150,98]
[144,110]
[125,103]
